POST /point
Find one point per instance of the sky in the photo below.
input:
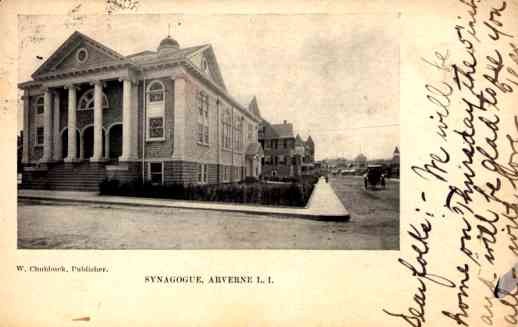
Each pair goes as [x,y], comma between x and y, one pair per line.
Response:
[334,77]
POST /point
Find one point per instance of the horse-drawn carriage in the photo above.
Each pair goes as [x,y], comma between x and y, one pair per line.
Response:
[374,176]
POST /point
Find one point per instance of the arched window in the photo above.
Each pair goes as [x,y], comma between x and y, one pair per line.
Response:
[155,111]
[86,102]
[156,92]
[39,105]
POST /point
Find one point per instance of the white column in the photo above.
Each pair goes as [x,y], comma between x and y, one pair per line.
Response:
[98,122]
[57,150]
[72,103]
[26,133]
[47,126]
[180,108]
[129,121]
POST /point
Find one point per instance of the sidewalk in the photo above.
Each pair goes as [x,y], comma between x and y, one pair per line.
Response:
[322,205]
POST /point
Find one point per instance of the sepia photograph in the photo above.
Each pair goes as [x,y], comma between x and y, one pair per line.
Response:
[208,132]
[259,163]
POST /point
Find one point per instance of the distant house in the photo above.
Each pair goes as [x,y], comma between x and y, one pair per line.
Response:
[307,154]
[278,143]
[394,166]
[284,153]
[395,156]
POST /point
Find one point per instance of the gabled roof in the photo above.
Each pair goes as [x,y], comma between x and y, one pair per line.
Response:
[56,66]
[277,131]
[151,57]
[140,54]
[284,130]
[213,66]
[298,140]
[254,149]
[309,141]
[67,46]
[253,107]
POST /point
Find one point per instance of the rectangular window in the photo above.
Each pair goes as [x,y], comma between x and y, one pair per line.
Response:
[200,133]
[274,144]
[155,173]
[267,144]
[250,133]
[156,127]
[203,117]
[238,133]
[39,136]
[203,173]
[226,123]
[226,173]
[285,144]
[282,160]
[156,97]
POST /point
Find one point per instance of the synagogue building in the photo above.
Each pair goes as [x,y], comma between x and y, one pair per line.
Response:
[163,115]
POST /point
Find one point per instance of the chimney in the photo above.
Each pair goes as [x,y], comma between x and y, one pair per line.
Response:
[285,122]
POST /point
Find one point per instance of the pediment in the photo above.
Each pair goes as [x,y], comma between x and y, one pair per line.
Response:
[76,53]
[205,61]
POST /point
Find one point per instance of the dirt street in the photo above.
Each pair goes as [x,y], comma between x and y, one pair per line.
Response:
[50,225]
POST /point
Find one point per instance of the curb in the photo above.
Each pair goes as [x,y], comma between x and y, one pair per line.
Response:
[318,217]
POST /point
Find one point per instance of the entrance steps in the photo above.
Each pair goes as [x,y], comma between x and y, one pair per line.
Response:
[84,176]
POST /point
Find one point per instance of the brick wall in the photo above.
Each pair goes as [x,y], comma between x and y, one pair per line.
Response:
[185,172]
[213,174]
[180,172]
[209,154]
[161,149]
[133,172]
[193,150]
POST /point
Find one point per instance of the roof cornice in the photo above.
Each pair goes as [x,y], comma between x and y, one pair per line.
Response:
[85,71]
[55,58]
[201,76]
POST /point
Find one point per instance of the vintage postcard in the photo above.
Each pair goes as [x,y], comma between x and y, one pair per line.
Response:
[246,164]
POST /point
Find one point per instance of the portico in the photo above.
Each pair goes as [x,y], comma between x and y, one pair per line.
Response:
[77,142]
